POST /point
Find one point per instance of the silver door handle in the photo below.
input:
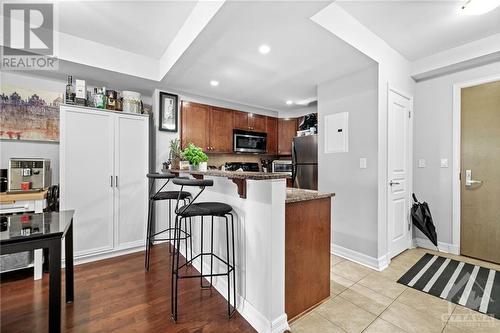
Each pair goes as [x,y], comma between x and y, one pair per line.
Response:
[392,183]
[116,181]
[111,179]
[468,179]
[472,182]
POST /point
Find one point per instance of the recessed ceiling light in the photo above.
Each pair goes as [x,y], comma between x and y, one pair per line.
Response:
[264,49]
[289,102]
[478,7]
[214,83]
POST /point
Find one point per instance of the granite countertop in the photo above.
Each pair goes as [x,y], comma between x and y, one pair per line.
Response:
[297,195]
[236,174]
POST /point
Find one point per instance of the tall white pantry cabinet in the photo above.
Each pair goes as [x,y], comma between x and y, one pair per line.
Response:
[103,167]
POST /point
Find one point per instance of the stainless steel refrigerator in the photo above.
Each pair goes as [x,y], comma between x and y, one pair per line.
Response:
[305,162]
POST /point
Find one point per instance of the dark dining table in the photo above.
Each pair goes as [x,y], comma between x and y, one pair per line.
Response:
[28,232]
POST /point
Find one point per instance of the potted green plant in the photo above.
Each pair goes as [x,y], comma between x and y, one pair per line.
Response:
[196,157]
[175,153]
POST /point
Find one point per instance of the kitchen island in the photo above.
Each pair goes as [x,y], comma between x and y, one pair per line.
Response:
[259,202]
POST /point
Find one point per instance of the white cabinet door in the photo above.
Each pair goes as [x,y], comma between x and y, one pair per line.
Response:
[86,167]
[131,167]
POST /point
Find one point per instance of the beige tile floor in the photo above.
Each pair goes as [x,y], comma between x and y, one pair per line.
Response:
[364,300]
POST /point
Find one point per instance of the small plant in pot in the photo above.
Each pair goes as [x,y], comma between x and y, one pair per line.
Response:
[175,153]
[196,157]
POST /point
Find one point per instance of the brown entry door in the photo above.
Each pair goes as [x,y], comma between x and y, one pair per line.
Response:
[480,172]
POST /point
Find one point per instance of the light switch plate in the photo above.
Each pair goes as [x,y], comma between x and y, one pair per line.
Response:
[362,163]
[444,163]
[421,163]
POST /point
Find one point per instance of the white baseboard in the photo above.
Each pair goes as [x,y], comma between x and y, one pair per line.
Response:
[83,259]
[256,319]
[378,264]
[443,247]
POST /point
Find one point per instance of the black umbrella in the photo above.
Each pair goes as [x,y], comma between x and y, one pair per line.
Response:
[422,219]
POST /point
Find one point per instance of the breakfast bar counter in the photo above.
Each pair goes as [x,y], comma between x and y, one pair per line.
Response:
[282,244]
[235,174]
[297,195]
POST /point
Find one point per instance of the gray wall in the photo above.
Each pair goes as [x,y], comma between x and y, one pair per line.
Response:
[433,140]
[354,210]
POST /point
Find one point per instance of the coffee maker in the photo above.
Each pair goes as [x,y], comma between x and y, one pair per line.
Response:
[29,174]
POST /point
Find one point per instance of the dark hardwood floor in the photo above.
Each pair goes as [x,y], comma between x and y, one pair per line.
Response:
[117,295]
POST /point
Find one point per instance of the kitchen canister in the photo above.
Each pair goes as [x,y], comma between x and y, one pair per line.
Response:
[131,102]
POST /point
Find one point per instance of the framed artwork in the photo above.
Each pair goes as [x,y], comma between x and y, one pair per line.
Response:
[27,114]
[168,112]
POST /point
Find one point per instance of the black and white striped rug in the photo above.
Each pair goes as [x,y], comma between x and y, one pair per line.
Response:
[472,286]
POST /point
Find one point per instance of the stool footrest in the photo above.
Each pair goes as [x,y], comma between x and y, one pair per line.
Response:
[190,262]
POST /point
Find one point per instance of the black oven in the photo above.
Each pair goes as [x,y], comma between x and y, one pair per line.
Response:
[249,142]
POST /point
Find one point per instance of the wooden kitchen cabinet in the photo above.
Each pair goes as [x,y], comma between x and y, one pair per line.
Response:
[240,120]
[287,130]
[272,135]
[249,121]
[257,122]
[194,124]
[307,255]
[208,127]
[220,130]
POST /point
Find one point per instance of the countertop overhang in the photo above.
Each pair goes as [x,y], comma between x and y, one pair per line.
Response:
[238,177]
[235,174]
[297,195]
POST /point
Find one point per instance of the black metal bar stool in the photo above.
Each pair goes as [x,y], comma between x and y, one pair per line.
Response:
[212,209]
[159,196]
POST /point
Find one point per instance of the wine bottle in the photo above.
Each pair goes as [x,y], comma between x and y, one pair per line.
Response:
[70,91]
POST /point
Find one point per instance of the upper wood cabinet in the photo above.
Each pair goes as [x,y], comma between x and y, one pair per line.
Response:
[257,122]
[221,130]
[194,124]
[240,120]
[249,121]
[208,127]
[287,130]
[211,128]
[272,135]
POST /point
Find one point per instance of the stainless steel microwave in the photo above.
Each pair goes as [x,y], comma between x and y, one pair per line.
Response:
[249,142]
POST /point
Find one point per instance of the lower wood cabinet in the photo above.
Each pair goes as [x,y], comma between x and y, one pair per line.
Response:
[103,167]
[307,255]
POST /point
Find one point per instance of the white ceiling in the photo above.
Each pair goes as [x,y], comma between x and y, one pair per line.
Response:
[141,27]
[421,28]
[302,55]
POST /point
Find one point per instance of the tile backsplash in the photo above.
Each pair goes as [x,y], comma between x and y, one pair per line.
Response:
[220,159]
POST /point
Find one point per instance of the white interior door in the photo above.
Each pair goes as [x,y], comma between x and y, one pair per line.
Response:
[399,112]
[86,154]
[131,167]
